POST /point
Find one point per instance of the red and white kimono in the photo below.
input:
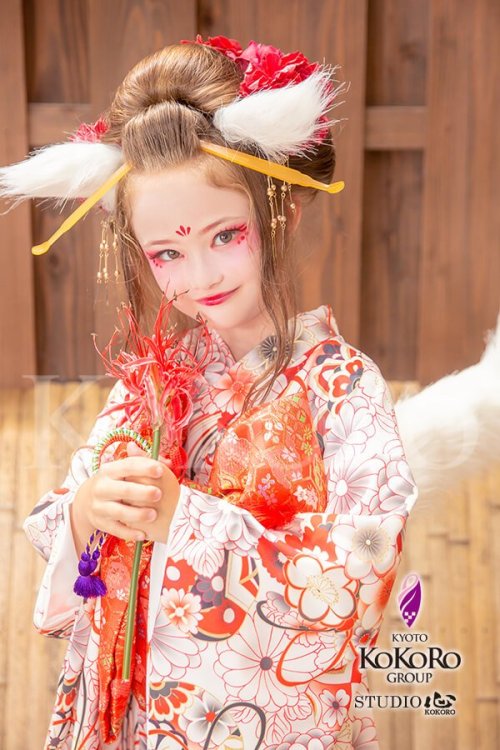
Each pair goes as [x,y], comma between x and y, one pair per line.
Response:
[252,634]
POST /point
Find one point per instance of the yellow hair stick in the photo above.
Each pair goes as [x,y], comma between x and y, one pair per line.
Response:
[280,171]
[81,210]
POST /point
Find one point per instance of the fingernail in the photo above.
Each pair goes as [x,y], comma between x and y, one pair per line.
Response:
[151,515]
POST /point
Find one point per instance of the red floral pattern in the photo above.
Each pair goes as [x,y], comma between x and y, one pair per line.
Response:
[252,628]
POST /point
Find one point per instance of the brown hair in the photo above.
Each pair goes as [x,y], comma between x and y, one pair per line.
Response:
[159,114]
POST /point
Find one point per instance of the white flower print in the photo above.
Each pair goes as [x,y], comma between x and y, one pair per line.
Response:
[199,718]
[353,425]
[399,485]
[78,645]
[265,485]
[374,597]
[320,592]
[361,635]
[370,543]
[219,524]
[248,666]
[312,739]
[335,705]
[204,556]
[271,427]
[352,480]
[364,734]
[172,652]
[182,609]
[307,495]
[289,455]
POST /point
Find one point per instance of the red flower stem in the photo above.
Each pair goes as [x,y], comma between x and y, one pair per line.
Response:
[134,580]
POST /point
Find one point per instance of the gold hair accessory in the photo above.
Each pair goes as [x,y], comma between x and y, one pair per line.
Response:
[272,169]
[278,216]
[102,274]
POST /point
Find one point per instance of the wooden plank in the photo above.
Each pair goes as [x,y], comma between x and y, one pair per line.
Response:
[459,267]
[395,116]
[9,410]
[17,332]
[393,128]
[50,122]
[388,128]
[58,61]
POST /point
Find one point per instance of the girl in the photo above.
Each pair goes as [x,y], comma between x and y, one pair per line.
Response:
[251,614]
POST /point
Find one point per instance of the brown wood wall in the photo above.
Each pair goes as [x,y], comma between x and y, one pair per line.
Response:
[407,254]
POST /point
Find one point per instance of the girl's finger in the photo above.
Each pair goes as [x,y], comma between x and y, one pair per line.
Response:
[134,493]
[132,466]
[122,531]
[131,515]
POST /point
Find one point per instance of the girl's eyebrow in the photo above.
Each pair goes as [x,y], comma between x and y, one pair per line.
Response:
[203,231]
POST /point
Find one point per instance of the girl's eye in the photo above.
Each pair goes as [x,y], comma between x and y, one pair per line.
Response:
[227,236]
[158,259]
[229,233]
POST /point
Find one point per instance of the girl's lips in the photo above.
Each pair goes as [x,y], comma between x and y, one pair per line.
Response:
[217,299]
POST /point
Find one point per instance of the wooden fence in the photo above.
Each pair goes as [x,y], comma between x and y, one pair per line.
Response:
[407,254]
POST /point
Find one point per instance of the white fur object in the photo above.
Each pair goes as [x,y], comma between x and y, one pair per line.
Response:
[64,171]
[450,430]
[280,120]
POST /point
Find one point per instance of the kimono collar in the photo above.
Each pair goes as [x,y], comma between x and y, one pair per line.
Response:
[312,327]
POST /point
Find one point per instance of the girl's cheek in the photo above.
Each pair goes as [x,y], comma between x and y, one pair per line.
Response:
[250,238]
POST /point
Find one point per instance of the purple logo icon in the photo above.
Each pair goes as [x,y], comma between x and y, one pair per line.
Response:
[410,598]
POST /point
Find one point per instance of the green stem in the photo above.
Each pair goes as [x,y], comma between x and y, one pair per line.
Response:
[134,580]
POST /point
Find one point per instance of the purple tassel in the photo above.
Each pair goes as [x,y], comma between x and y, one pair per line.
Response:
[88,585]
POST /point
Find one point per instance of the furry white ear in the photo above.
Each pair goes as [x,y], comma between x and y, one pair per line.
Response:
[64,171]
[280,121]
[450,430]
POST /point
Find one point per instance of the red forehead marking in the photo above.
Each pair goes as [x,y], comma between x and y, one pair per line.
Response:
[183,231]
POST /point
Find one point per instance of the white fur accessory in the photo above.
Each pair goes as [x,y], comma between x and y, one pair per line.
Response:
[63,171]
[450,429]
[279,121]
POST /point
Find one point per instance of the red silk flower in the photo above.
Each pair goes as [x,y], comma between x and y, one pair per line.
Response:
[91,132]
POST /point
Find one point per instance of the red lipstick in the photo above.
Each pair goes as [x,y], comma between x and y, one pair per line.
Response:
[216,299]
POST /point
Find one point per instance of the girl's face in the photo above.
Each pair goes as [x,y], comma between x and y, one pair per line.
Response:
[197,240]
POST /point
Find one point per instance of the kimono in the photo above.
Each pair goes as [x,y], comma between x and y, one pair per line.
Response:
[253,632]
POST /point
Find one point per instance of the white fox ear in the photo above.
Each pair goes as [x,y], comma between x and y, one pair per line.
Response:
[281,121]
[63,171]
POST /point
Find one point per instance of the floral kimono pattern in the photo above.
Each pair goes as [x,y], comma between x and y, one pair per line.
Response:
[254,627]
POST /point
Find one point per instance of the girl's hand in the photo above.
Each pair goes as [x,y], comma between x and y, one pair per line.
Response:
[157,528]
[132,498]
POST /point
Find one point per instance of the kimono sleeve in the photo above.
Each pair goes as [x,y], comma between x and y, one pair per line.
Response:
[351,550]
[48,528]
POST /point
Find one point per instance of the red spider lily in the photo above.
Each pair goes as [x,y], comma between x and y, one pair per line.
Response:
[158,371]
